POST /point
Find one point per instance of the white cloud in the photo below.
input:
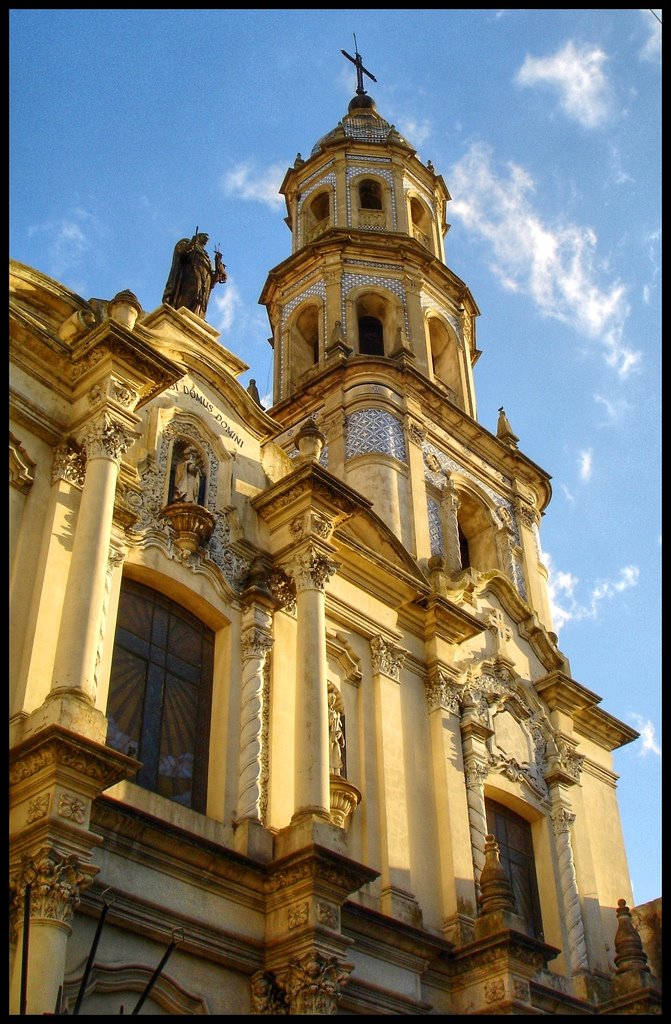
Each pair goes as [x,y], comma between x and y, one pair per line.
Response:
[556,265]
[418,131]
[576,74]
[615,409]
[585,464]
[227,302]
[652,47]
[565,604]
[649,742]
[68,240]
[260,186]
[567,493]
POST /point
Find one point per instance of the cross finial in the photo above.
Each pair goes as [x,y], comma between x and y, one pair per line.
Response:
[360,69]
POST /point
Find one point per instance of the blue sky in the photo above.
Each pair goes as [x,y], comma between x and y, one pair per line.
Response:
[130,128]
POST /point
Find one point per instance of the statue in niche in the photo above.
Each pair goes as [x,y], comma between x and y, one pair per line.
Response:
[336,737]
[192,276]
[188,476]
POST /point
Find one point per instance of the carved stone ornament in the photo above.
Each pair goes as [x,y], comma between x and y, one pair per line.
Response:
[344,798]
[106,438]
[387,658]
[267,996]
[69,464]
[56,881]
[191,525]
[283,589]
[311,571]
[313,984]
[442,693]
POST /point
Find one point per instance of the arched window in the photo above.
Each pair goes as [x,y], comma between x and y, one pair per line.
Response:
[445,360]
[477,541]
[421,223]
[516,850]
[158,708]
[370,195]
[371,336]
[304,341]
[317,216]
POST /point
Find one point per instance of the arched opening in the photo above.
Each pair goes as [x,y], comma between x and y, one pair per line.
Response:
[513,834]
[420,223]
[371,336]
[304,341]
[370,194]
[376,318]
[160,693]
[477,541]
[445,359]
[317,215]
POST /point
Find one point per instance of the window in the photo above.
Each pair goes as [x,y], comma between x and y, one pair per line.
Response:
[160,689]
[513,835]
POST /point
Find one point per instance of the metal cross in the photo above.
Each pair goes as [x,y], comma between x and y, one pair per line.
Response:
[360,69]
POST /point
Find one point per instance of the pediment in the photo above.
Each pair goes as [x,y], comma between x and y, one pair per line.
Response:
[369,538]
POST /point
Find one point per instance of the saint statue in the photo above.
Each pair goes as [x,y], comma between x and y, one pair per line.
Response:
[336,737]
[192,276]
[187,477]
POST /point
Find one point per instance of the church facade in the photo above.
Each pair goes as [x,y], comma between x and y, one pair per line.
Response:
[290,729]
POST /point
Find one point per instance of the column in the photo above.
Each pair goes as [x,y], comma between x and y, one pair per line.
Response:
[55,880]
[562,820]
[476,769]
[528,520]
[105,442]
[454,836]
[450,506]
[256,644]
[311,571]
[396,898]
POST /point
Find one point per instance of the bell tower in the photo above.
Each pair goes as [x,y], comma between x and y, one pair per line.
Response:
[374,339]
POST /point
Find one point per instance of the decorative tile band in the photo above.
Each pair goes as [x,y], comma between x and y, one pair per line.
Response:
[374,430]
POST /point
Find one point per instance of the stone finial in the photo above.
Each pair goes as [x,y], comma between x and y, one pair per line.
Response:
[124,308]
[630,955]
[495,890]
[310,441]
[504,431]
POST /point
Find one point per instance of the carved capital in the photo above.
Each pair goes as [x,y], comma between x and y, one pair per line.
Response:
[311,570]
[387,657]
[441,692]
[105,437]
[313,984]
[56,882]
[475,772]
[69,464]
[255,643]
[562,819]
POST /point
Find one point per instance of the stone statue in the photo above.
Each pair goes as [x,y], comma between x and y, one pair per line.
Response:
[187,477]
[253,392]
[336,737]
[192,276]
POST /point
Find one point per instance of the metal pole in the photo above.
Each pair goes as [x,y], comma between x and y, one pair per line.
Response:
[96,938]
[154,978]
[24,950]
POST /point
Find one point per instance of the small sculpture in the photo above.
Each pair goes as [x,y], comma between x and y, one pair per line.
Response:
[187,477]
[336,737]
[253,392]
[192,276]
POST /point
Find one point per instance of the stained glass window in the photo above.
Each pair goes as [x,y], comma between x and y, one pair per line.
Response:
[160,692]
